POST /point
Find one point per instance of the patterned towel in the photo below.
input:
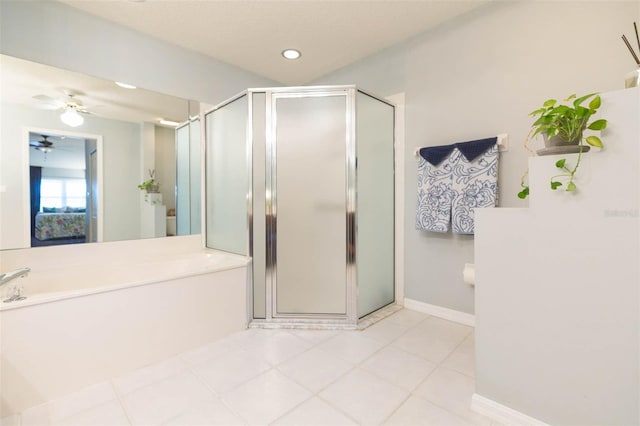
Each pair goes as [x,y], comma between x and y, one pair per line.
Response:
[434,190]
[475,185]
[452,181]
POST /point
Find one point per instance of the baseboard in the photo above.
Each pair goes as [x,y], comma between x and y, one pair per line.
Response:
[501,413]
[440,312]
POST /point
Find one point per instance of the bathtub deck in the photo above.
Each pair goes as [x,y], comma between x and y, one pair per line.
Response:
[52,346]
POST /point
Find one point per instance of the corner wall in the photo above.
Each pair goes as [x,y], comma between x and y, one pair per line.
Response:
[557,287]
[480,75]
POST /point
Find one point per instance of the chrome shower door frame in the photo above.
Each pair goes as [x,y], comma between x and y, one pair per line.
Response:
[350,317]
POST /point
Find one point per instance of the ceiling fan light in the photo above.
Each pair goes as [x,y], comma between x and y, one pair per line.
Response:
[169,122]
[71,118]
[125,85]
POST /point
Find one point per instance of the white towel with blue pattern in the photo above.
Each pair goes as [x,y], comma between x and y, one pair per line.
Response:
[452,181]
[475,185]
[434,190]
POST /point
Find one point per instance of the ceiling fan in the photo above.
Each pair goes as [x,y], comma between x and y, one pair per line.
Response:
[70,105]
[44,145]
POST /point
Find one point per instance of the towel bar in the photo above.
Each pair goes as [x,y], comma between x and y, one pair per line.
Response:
[503,145]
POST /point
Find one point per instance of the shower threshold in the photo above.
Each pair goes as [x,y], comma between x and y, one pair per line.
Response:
[307,324]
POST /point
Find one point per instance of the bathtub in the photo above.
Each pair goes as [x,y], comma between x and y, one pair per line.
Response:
[96,316]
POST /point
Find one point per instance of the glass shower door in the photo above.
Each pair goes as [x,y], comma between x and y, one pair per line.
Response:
[375,206]
[307,204]
[227,177]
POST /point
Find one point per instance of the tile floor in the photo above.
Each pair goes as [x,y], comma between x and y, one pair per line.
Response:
[408,369]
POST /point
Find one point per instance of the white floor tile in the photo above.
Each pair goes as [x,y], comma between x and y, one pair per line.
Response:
[463,359]
[212,412]
[161,401]
[107,414]
[13,420]
[385,331]
[399,367]
[315,336]
[249,336]
[416,411]
[210,351]
[407,317]
[407,369]
[451,390]
[351,346]
[315,369]
[433,339]
[148,375]
[364,397]
[277,347]
[314,412]
[266,397]
[227,371]
[69,405]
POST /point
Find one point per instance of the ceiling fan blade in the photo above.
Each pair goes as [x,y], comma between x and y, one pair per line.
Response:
[49,107]
[47,102]
[44,98]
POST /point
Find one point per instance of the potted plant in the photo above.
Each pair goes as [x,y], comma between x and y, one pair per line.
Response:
[562,126]
[150,186]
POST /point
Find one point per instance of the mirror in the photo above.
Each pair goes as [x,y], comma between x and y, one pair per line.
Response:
[74,150]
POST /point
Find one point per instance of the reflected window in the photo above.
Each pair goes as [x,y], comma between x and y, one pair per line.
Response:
[61,192]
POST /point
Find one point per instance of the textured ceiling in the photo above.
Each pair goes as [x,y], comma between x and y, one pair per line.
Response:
[251,34]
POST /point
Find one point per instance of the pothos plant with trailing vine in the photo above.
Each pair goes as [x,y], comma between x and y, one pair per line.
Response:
[567,122]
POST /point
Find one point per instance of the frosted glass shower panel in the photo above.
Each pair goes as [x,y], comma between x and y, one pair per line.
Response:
[309,159]
[195,177]
[227,177]
[183,205]
[375,203]
[188,178]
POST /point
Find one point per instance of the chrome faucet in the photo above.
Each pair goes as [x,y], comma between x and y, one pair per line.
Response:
[7,277]
[12,275]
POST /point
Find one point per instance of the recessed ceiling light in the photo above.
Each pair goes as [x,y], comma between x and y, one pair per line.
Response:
[291,53]
[125,85]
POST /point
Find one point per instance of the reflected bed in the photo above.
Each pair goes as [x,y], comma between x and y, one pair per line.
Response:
[59,225]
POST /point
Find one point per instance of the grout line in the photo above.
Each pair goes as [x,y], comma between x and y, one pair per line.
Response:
[404,401]
[120,399]
[293,408]
[218,397]
[347,415]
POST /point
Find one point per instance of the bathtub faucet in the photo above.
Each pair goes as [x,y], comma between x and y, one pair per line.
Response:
[15,294]
[12,275]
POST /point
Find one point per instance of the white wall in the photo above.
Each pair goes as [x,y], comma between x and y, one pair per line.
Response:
[480,75]
[121,154]
[557,286]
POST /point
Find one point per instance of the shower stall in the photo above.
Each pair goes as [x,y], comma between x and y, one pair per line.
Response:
[301,180]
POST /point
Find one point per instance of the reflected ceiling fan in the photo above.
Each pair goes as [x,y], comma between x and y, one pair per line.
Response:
[70,106]
[46,144]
